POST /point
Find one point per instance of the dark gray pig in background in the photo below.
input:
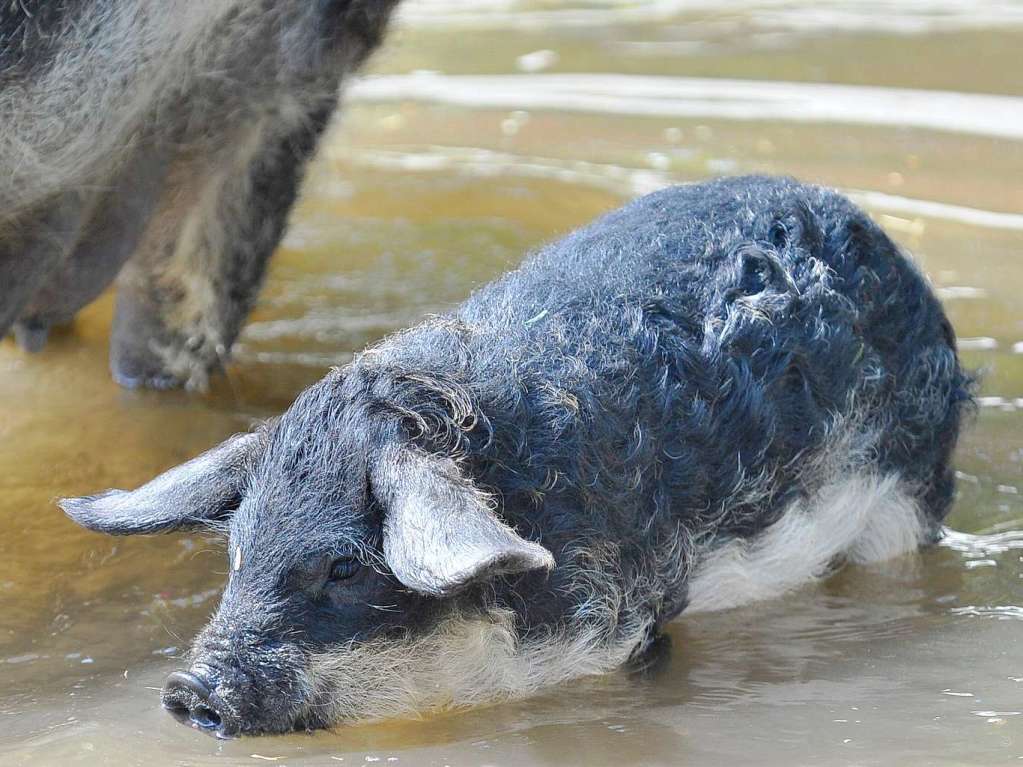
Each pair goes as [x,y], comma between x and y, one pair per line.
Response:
[708,397]
[168,137]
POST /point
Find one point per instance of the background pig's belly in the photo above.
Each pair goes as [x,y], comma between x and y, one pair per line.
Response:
[412,205]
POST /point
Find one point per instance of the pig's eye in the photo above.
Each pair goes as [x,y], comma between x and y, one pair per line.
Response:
[344,568]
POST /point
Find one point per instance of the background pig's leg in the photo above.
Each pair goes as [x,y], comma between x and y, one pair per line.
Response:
[184,295]
[30,253]
[104,244]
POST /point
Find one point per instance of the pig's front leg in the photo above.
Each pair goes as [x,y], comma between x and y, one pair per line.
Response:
[184,295]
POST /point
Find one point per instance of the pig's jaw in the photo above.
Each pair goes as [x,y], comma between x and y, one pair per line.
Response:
[474,654]
[462,662]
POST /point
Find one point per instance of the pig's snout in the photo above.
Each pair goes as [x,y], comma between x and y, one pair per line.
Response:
[190,700]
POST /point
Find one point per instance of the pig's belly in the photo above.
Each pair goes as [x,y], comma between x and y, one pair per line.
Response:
[863,518]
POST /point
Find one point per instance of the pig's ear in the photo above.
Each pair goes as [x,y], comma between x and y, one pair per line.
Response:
[440,533]
[195,493]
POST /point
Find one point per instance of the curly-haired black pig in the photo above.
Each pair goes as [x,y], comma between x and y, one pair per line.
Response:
[167,137]
[708,397]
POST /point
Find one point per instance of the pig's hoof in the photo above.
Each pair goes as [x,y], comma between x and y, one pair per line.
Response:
[146,354]
[145,363]
[134,361]
[141,373]
[31,335]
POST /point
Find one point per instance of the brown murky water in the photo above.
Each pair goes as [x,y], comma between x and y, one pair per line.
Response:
[452,161]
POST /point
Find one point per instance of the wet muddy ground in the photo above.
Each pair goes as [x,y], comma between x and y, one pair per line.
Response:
[485,129]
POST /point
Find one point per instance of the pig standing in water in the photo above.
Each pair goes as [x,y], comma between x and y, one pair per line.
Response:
[708,397]
[161,142]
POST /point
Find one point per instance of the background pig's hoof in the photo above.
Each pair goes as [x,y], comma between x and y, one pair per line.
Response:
[135,368]
[141,371]
[31,335]
[146,354]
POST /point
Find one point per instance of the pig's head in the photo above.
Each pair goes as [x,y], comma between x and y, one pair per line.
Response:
[353,558]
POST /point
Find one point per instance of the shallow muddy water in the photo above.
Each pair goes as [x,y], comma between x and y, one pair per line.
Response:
[486,128]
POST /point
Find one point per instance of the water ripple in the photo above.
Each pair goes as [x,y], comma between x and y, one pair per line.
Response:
[695,97]
[998,612]
[478,162]
[982,546]
[891,16]
[960,214]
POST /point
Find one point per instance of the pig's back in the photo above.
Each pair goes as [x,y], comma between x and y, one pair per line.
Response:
[736,326]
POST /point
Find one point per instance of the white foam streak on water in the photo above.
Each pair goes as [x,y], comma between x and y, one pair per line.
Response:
[999,612]
[693,97]
[895,16]
[982,545]
[483,163]
[960,214]
[514,14]
[902,17]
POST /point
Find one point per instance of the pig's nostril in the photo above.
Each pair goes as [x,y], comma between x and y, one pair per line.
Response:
[204,717]
[187,697]
[185,680]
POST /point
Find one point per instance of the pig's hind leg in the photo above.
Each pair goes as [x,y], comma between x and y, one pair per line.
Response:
[115,223]
[183,296]
[860,516]
[32,250]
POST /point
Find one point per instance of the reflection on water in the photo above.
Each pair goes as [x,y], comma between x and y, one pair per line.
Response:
[433,184]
